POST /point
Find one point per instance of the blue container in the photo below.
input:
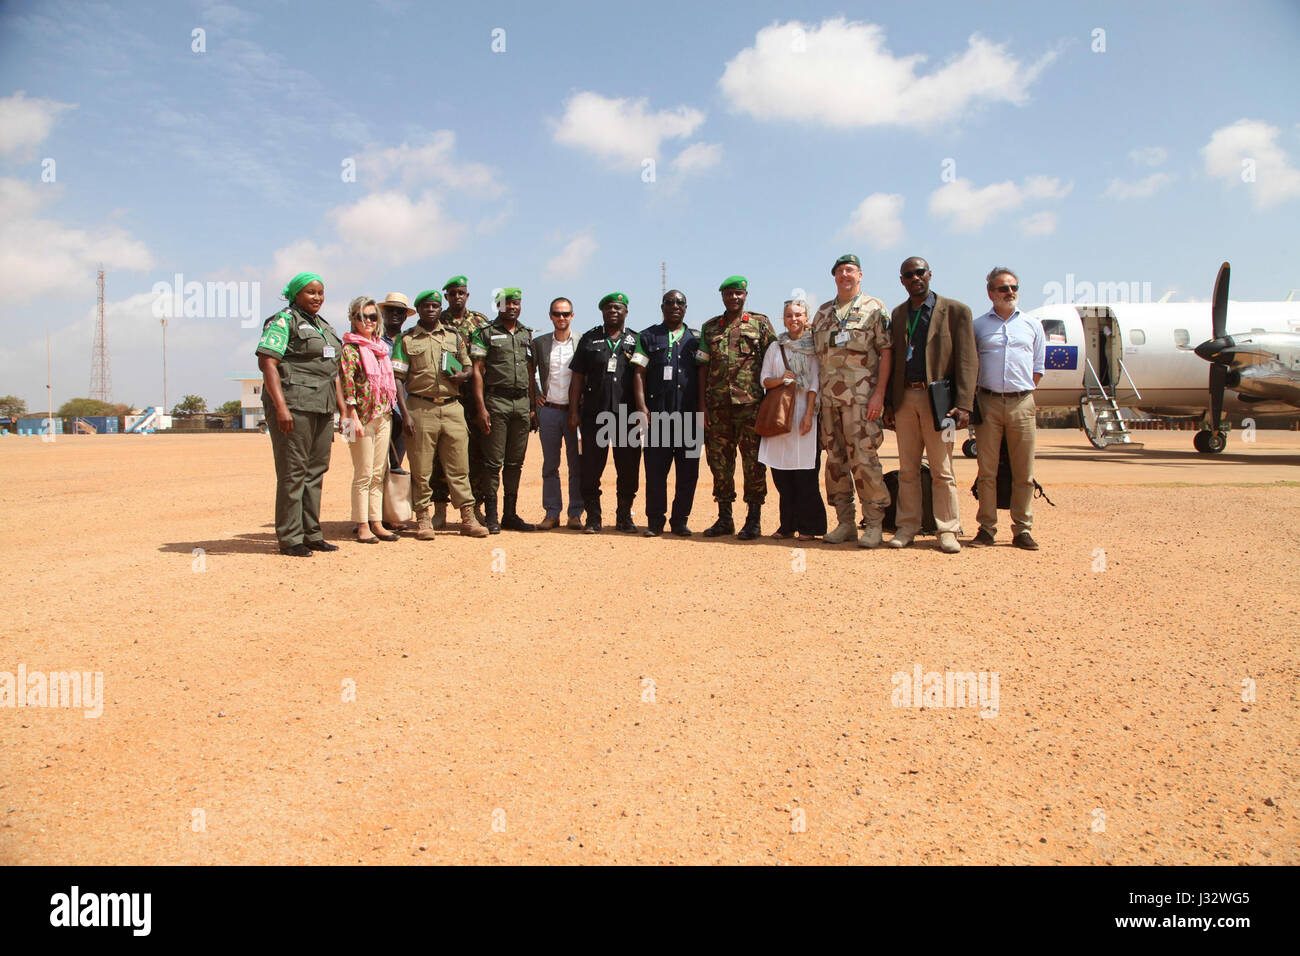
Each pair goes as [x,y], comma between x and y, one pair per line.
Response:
[35,425]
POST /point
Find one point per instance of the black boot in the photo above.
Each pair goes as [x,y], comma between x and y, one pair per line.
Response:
[724,524]
[679,528]
[490,514]
[593,521]
[509,519]
[752,527]
[623,516]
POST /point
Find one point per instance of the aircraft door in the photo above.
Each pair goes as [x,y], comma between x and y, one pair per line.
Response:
[1103,347]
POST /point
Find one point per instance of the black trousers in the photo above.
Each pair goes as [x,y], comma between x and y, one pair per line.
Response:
[802,507]
[658,461]
[627,465]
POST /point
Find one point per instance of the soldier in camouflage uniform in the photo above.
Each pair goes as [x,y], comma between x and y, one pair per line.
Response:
[730,357]
[465,321]
[851,335]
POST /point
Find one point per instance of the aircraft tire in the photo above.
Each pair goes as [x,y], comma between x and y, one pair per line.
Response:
[968,448]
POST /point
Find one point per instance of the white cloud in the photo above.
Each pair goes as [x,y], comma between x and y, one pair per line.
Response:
[970,209]
[572,259]
[393,227]
[1118,189]
[1248,148]
[25,123]
[1039,224]
[697,157]
[878,220]
[621,132]
[1149,155]
[430,161]
[39,257]
[840,73]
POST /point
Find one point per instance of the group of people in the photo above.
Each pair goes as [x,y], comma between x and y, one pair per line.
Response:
[456,395]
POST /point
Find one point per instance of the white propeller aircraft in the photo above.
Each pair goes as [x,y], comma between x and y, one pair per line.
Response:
[1101,357]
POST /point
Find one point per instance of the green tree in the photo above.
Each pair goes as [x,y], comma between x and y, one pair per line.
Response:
[11,406]
[84,408]
[231,409]
[190,405]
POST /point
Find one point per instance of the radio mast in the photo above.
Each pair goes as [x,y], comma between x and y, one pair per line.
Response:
[101,375]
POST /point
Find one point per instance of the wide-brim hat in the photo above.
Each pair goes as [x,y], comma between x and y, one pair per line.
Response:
[396,299]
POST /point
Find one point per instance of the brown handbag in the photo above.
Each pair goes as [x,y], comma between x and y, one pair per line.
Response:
[776,413]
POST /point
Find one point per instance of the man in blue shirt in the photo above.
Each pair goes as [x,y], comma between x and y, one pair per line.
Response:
[1012,352]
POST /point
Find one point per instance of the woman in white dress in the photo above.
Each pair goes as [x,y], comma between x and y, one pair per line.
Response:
[795,458]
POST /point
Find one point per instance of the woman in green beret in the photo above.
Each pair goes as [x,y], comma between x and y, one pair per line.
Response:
[298,355]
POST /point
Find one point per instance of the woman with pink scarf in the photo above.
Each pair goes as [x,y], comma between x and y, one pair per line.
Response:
[370,394]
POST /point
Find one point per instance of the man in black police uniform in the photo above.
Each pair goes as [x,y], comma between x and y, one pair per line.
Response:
[667,393]
[602,382]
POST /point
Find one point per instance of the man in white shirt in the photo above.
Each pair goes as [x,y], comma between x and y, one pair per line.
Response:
[1012,355]
[554,351]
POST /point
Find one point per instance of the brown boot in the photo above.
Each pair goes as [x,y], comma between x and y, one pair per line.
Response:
[423,526]
[469,524]
[439,515]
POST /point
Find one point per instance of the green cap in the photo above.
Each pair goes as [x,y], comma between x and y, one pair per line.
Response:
[506,295]
[734,282]
[848,257]
[433,294]
[453,281]
[612,297]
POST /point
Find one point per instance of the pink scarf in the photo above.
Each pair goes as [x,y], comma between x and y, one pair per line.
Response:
[378,367]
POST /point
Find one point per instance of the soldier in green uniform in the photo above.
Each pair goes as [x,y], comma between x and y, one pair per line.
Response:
[730,358]
[503,393]
[298,355]
[431,362]
[465,321]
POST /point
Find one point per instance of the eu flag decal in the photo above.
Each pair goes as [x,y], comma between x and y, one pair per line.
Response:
[1063,356]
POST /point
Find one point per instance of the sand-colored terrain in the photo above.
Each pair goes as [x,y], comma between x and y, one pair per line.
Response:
[562,698]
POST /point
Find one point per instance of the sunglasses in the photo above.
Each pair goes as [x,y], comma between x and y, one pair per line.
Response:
[1007,288]
[915,273]
[561,315]
[369,317]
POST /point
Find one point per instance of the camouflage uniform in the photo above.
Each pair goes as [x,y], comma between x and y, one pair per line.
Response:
[467,326]
[849,371]
[734,356]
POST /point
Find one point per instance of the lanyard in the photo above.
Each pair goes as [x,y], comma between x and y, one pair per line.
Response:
[849,311]
[912,321]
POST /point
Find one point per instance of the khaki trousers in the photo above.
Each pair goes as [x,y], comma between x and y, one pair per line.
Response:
[1014,418]
[439,430]
[914,426]
[369,465]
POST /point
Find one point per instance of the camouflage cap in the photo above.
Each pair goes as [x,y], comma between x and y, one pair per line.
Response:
[734,282]
[849,258]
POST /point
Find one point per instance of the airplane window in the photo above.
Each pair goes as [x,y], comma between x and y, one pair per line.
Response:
[1137,337]
[1181,338]
[1054,327]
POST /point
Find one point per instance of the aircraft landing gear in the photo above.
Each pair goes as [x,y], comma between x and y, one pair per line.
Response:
[1210,443]
[968,448]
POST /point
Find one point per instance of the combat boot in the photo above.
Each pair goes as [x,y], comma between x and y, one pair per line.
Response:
[870,538]
[423,526]
[724,524]
[623,517]
[439,515]
[478,511]
[490,514]
[845,530]
[752,527]
[469,525]
[509,519]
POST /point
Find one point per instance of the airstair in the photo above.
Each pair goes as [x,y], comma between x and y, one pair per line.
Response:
[1099,412]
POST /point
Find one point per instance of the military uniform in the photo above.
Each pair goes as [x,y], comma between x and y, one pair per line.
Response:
[468,324]
[308,351]
[733,353]
[507,357]
[434,404]
[849,347]
[672,387]
[608,369]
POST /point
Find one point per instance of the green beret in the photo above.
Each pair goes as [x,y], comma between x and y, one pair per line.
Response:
[433,294]
[454,281]
[734,282]
[849,258]
[612,297]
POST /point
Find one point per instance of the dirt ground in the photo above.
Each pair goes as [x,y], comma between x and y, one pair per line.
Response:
[560,698]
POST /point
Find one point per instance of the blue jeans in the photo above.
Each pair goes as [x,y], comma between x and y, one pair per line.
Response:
[553,428]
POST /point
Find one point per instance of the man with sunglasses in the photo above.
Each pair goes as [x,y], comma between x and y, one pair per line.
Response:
[553,351]
[933,340]
[1012,356]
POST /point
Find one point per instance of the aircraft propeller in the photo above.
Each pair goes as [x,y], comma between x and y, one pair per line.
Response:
[1218,351]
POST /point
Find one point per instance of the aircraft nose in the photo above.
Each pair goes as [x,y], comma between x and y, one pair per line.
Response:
[1214,349]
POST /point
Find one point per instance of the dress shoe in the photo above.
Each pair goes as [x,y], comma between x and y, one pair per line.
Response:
[1023,540]
[652,532]
[548,523]
[679,528]
[574,523]
[901,540]
[373,539]
[983,539]
[591,527]
[948,542]
[512,522]
[296,551]
[321,545]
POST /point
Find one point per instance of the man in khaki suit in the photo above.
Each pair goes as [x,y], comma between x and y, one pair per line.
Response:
[933,339]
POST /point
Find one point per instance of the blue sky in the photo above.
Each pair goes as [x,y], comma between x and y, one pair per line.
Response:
[781,136]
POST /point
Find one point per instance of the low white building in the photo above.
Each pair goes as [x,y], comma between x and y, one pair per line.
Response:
[250,399]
